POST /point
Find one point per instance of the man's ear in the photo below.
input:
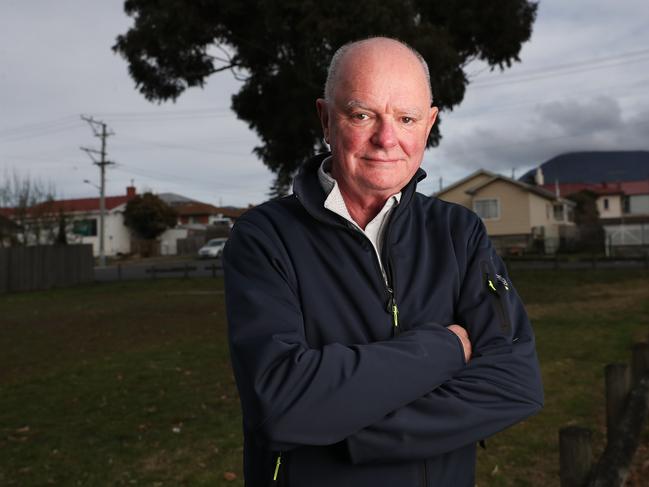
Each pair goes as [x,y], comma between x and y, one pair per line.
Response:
[432,117]
[323,114]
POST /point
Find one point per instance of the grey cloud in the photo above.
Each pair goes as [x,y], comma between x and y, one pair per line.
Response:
[559,127]
[602,113]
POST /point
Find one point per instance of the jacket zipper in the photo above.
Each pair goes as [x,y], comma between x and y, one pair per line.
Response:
[392,304]
[278,463]
[387,278]
[424,474]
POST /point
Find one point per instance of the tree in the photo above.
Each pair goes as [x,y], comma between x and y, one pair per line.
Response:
[62,233]
[591,232]
[29,205]
[281,49]
[148,216]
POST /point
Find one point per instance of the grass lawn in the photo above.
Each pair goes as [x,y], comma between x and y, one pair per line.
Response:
[129,383]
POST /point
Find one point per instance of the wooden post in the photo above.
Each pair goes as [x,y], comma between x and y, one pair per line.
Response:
[214,271]
[575,456]
[639,361]
[618,386]
[613,466]
[186,270]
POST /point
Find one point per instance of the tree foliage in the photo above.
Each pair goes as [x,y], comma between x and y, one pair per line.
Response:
[281,49]
[148,216]
[591,232]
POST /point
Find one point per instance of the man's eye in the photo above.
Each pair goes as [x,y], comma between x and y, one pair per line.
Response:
[408,120]
[360,116]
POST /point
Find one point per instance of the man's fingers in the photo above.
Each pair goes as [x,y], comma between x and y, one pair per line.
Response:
[464,338]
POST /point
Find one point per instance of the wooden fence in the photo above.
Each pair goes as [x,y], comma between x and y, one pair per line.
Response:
[44,267]
[627,407]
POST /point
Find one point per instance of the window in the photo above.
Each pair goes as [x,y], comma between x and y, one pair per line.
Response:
[605,203]
[558,212]
[487,209]
[85,228]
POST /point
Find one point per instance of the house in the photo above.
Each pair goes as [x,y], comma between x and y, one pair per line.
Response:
[518,216]
[197,223]
[203,213]
[81,218]
[620,181]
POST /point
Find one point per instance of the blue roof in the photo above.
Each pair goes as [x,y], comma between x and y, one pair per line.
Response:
[594,167]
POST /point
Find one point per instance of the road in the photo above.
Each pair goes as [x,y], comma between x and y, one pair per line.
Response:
[168,268]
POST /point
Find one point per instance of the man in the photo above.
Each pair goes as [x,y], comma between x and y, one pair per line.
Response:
[374,334]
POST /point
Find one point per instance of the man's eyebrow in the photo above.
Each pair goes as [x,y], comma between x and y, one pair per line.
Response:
[356,104]
[352,104]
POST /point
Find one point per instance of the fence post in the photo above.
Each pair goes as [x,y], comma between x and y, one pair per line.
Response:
[575,456]
[618,386]
[556,261]
[119,272]
[214,271]
[639,361]
[153,272]
[594,261]
[186,270]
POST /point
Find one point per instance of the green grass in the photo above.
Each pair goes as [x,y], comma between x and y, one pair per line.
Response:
[130,384]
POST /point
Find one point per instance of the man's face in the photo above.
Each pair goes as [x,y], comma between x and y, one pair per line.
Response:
[378,121]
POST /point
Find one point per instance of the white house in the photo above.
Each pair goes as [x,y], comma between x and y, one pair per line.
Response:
[82,221]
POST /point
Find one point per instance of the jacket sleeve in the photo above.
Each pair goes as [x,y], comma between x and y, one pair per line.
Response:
[292,394]
[500,386]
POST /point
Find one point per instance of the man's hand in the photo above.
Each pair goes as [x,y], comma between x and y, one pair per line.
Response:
[464,338]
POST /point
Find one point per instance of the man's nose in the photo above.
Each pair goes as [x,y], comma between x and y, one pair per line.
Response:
[384,134]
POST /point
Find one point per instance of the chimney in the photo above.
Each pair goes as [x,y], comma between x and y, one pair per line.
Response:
[130,192]
[538,177]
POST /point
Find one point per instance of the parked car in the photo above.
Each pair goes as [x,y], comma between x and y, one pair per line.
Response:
[212,249]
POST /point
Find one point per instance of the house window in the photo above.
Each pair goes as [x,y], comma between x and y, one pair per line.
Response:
[558,212]
[487,209]
[605,203]
[85,228]
[570,214]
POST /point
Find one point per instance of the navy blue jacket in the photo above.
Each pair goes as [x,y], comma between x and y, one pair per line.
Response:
[333,393]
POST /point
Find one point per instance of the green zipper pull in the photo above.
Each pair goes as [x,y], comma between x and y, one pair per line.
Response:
[491,285]
[277,464]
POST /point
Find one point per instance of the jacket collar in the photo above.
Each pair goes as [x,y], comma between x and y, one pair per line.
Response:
[309,192]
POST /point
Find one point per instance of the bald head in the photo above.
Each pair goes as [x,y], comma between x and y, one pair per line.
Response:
[375,46]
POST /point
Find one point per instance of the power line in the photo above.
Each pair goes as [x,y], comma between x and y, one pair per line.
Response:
[37,125]
[505,107]
[194,148]
[40,132]
[564,69]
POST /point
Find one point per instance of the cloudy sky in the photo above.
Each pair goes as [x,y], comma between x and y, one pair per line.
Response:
[581,85]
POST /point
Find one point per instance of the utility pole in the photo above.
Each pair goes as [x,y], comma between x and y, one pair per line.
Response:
[100,130]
